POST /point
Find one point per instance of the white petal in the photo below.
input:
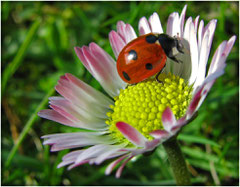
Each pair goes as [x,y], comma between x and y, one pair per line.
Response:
[173,25]
[206,44]
[182,19]
[202,61]
[187,27]
[130,33]
[194,53]
[196,23]
[143,26]
[155,23]
[200,34]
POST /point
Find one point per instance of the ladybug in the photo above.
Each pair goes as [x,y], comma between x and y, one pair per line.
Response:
[146,55]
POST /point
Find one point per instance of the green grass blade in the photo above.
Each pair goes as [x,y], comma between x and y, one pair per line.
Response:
[197,139]
[12,67]
[27,127]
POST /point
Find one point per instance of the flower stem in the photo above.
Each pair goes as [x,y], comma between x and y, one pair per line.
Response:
[177,162]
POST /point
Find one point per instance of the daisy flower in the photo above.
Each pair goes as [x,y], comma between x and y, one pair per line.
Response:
[134,119]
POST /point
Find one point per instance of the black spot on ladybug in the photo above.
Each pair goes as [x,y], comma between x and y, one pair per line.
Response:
[126,76]
[151,39]
[132,55]
[148,66]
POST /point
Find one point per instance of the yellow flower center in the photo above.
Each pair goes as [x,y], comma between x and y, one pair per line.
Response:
[142,105]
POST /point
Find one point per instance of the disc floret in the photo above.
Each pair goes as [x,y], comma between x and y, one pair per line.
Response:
[142,105]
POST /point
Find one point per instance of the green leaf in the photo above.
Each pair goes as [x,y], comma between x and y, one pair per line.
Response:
[220,169]
[27,127]
[13,66]
[196,139]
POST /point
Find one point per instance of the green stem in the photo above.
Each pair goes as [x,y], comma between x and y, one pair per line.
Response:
[177,162]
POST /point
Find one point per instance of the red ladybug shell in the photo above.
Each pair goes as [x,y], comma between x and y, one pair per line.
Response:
[141,59]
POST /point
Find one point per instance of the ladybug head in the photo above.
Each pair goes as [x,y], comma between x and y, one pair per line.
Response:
[171,46]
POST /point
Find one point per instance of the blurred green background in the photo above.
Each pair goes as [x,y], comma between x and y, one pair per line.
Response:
[37,47]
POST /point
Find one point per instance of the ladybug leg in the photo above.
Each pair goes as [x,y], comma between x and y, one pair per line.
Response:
[172,57]
[158,79]
[131,85]
[159,74]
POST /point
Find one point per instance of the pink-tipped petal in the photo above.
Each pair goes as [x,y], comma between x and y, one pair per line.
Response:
[121,30]
[113,164]
[91,152]
[64,163]
[116,42]
[143,26]
[229,46]
[151,145]
[159,134]
[168,119]
[220,56]
[72,155]
[120,169]
[78,103]
[217,58]
[108,64]
[131,134]
[182,121]
[69,158]
[55,116]
[103,73]
[76,142]
[82,58]
[92,93]
[61,111]
[62,138]
[78,164]
[112,151]
[194,103]
[155,23]
[126,32]
[221,60]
